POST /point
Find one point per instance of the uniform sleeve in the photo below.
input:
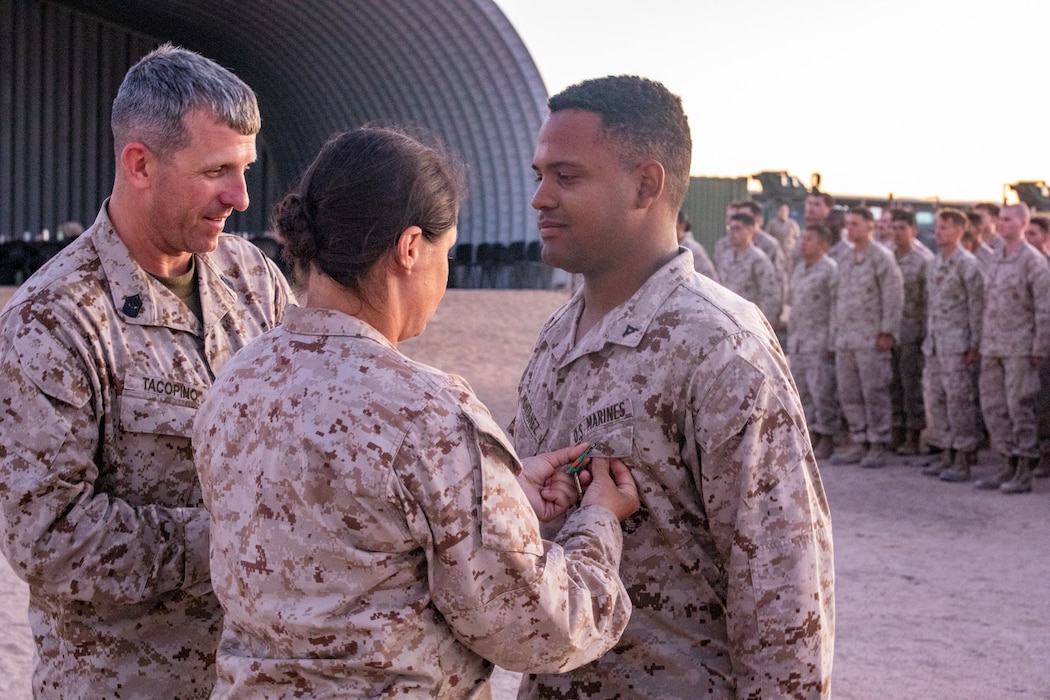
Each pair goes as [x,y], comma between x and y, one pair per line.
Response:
[771,290]
[770,520]
[833,294]
[521,602]
[973,282]
[703,264]
[60,533]
[891,288]
[283,296]
[833,326]
[1041,299]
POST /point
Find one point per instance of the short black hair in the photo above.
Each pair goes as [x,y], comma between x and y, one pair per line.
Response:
[643,116]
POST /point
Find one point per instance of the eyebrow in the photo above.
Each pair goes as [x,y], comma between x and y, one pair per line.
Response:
[557,164]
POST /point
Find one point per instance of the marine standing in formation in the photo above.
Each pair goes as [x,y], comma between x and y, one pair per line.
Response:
[1015,341]
[955,303]
[814,286]
[747,271]
[865,326]
[912,256]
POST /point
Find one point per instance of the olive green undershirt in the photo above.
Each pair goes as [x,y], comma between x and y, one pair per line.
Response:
[185,288]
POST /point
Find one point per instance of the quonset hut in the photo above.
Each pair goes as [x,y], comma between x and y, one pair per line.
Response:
[455,67]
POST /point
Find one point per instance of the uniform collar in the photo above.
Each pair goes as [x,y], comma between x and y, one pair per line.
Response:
[141,300]
[320,322]
[625,325]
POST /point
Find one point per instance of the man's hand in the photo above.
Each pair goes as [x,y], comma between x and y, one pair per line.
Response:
[884,342]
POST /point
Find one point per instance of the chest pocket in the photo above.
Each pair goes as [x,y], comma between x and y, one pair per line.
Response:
[159,406]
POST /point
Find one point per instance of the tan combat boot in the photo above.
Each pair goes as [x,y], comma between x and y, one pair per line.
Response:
[850,454]
[910,446]
[897,437]
[1003,475]
[960,469]
[823,447]
[1022,479]
[935,469]
[1042,470]
[876,456]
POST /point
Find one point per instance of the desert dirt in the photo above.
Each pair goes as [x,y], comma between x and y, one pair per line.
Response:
[942,591]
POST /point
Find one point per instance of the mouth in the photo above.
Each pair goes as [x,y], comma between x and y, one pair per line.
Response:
[219,221]
[548,227]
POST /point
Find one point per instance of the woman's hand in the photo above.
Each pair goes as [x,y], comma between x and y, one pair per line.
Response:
[550,488]
[547,483]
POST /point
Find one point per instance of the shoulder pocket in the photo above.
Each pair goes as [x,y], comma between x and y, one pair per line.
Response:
[728,403]
[508,523]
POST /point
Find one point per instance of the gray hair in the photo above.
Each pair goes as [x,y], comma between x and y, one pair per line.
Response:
[164,86]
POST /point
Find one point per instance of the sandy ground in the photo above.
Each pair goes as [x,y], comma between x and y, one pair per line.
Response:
[943,591]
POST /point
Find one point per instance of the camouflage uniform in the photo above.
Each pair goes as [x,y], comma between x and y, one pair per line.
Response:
[729,561]
[841,250]
[701,262]
[372,540]
[750,274]
[955,302]
[764,242]
[1042,404]
[869,301]
[1016,327]
[813,289]
[909,411]
[988,250]
[102,372]
[785,232]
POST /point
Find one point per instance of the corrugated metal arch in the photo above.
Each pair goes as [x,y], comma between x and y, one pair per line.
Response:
[456,67]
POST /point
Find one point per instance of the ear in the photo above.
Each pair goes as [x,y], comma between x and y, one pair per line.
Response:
[651,180]
[136,160]
[408,248]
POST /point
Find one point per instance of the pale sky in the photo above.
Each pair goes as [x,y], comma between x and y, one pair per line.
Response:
[920,98]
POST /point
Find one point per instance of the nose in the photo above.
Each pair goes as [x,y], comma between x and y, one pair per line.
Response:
[236,193]
[542,197]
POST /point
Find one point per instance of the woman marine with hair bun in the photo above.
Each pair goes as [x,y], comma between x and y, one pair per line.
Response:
[373,531]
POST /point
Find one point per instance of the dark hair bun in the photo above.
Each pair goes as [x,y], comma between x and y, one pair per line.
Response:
[292,223]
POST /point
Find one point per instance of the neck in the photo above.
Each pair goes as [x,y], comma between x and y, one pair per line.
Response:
[1013,245]
[322,292]
[133,228]
[603,292]
[948,248]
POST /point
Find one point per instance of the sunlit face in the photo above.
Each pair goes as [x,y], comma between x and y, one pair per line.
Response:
[198,187]
[1038,237]
[812,246]
[817,210]
[903,234]
[585,195]
[987,220]
[1011,224]
[884,228]
[730,213]
[740,234]
[430,281]
[858,229]
[947,233]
